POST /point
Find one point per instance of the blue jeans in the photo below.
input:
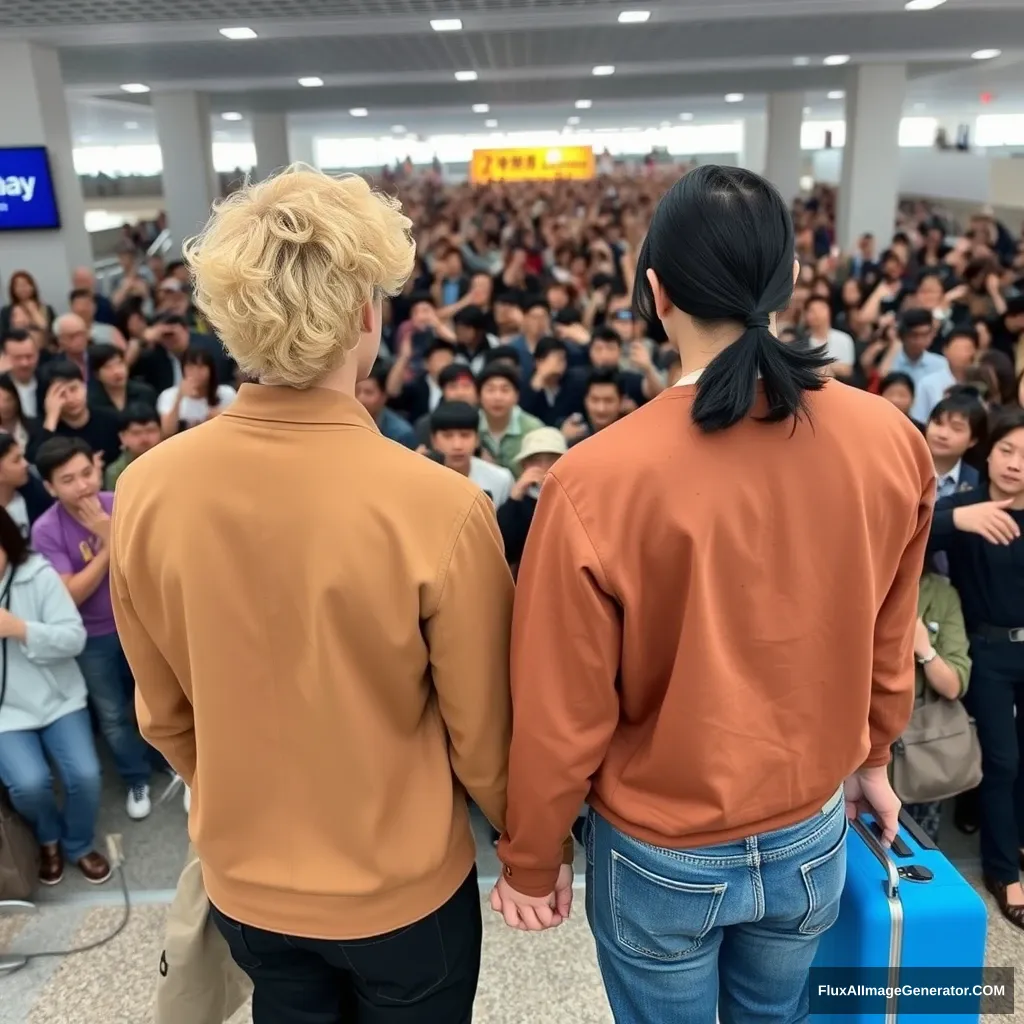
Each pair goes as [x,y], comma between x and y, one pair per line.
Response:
[736,926]
[111,686]
[26,774]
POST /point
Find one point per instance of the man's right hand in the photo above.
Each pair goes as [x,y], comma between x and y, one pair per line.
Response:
[869,790]
[990,520]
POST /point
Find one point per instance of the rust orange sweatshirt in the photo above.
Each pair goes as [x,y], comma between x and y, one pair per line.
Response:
[712,631]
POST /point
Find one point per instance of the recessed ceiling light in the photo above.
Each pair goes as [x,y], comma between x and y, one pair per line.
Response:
[131,125]
[573,120]
[734,97]
[634,17]
[801,62]
[836,59]
[231,115]
[686,117]
[238,33]
[465,76]
[584,104]
[134,87]
[398,129]
[490,123]
[836,94]
[312,82]
[446,24]
[359,112]
[480,108]
[603,70]
[923,5]
[985,54]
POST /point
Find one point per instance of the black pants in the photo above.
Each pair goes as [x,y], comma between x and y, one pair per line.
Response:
[995,693]
[425,973]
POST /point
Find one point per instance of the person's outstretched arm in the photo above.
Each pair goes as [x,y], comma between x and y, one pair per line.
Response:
[566,646]
[468,637]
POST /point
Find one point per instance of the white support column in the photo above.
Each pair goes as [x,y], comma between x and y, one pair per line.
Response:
[754,141]
[186,145]
[302,147]
[270,137]
[869,192]
[34,113]
[785,159]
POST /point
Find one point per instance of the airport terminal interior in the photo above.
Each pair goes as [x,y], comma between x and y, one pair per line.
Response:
[529,141]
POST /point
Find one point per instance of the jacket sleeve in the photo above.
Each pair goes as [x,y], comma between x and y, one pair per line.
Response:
[57,633]
[566,649]
[163,710]
[951,642]
[893,676]
[943,533]
[468,638]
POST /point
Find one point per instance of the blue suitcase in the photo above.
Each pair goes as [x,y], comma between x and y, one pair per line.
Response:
[908,915]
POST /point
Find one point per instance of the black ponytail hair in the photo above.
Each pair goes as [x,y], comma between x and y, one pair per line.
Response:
[721,243]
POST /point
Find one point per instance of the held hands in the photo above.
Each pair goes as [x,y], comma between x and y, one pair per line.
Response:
[534,913]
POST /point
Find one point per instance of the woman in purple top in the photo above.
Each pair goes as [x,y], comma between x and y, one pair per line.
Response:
[74,535]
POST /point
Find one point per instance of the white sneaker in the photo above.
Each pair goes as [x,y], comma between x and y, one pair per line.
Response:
[187,800]
[138,804]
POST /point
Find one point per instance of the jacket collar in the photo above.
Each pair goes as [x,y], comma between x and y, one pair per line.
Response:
[277,404]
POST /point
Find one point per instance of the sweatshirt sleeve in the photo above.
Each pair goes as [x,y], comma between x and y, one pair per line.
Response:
[892,679]
[57,633]
[164,711]
[566,647]
[468,638]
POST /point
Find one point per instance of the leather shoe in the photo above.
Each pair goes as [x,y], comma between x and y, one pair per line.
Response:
[51,864]
[95,867]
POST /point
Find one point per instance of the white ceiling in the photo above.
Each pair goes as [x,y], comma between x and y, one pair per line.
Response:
[533,58]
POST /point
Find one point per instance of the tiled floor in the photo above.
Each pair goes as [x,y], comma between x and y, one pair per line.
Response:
[527,979]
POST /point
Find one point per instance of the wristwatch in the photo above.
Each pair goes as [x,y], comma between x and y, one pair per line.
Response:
[929,657]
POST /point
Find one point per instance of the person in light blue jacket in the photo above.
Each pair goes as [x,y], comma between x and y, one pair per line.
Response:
[43,711]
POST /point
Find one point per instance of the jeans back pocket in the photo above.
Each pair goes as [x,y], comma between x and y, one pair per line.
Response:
[661,918]
[824,878]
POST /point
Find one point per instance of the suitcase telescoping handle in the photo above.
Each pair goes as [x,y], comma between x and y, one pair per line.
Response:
[872,842]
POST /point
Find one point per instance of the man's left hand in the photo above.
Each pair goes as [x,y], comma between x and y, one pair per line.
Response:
[534,913]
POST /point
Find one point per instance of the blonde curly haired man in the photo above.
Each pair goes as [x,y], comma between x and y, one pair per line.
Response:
[318,619]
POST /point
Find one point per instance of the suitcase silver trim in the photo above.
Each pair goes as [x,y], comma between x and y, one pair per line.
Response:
[891,887]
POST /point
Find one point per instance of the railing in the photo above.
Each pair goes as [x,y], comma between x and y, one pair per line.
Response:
[107,269]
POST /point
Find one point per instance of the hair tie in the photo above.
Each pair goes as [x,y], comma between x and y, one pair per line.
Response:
[757,320]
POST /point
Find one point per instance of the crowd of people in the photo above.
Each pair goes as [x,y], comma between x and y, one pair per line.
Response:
[520,331]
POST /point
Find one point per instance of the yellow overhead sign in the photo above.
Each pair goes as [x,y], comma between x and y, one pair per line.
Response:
[538,163]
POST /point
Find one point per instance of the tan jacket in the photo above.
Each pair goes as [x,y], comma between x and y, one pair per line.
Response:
[318,623]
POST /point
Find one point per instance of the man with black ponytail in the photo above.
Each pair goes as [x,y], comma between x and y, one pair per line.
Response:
[691,655]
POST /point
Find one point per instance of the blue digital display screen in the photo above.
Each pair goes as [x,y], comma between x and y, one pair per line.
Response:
[27,199]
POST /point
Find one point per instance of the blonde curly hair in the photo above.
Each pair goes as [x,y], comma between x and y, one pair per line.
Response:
[284,268]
